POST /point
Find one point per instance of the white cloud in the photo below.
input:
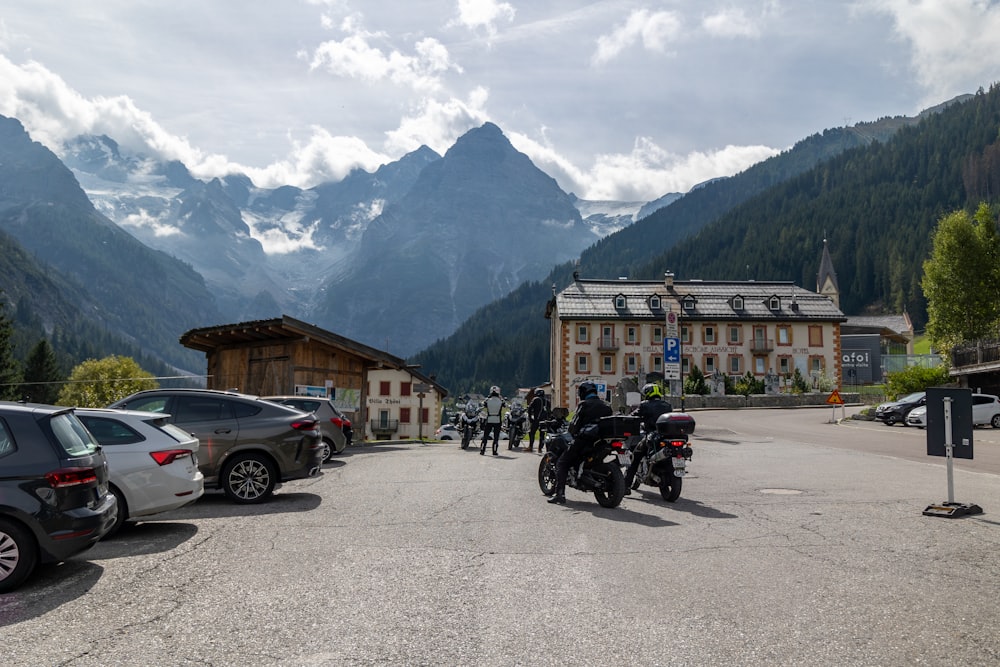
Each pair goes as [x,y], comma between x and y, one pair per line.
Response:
[653,30]
[731,22]
[323,158]
[144,219]
[437,124]
[483,14]
[953,43]
[648,172]
[355,57]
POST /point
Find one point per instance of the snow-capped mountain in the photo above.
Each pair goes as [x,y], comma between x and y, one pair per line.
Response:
[357,256]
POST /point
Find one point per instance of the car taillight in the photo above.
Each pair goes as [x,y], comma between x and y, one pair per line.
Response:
[337,421]
[168,456]
[65,477]
[305,424]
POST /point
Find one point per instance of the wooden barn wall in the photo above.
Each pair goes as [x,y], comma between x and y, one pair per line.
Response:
[275,368]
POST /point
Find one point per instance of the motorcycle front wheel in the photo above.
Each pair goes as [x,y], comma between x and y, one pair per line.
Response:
[670,484]
[613,489]
[547,475]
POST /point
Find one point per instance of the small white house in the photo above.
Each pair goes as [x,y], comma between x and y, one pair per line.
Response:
[402,404]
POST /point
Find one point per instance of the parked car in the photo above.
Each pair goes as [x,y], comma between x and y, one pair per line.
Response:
[332,422]
[247,445]
[895,412]
[54,497]
[985,410]
[153,464]
[448,432]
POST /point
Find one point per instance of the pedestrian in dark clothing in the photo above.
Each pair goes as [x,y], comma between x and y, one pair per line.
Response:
[652,406]
[590,409]
[535,411]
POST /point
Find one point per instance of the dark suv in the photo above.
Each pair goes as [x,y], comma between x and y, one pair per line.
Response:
[895,412]
[54,500]
[247,445]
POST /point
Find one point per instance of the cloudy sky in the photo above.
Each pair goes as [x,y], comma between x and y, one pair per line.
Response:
[616,99]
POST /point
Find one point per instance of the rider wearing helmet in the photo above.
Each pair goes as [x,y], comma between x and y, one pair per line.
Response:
[494,406]
[535,410]
[588,411]
[653,405]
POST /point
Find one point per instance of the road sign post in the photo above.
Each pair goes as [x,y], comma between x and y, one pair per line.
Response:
[949,420]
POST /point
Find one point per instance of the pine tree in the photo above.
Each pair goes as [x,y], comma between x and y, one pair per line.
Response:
[42,377]
[10,372]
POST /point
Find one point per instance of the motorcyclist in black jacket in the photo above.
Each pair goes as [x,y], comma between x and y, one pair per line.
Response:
[590,409]
[653,405]
[535,410]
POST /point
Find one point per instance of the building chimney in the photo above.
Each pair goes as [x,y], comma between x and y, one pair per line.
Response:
[668,279]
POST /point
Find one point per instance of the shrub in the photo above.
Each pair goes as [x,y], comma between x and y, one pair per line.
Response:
[915,378]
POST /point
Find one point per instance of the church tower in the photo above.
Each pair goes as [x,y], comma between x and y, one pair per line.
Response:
[826,279]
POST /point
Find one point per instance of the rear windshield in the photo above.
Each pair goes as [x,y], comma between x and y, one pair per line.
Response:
[72,435]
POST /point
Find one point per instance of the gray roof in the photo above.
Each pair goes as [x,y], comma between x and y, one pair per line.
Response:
[712,300]
[899,324]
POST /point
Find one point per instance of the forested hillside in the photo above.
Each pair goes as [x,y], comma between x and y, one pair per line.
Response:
[874,190]
[878,208]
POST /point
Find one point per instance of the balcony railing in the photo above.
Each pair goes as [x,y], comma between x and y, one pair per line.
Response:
[607,343]
[761,345]
[978,353]
[381,426]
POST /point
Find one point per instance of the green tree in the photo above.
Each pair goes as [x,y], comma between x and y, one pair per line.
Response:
[95,383]
[10,371]
[42,376]
[915,378]
[694,383]
[962,279]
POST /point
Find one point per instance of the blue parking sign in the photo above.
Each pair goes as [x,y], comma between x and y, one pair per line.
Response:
[672,350]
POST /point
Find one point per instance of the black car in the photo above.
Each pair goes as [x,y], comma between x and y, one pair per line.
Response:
[54,499]
[895,412]
[247,445]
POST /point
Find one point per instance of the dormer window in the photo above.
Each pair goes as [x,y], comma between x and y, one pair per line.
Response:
[689,303]
[774,303]
[620,302]
[737,303]
[654,302]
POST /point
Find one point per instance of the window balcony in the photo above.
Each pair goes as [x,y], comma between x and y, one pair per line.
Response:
[384,426]
[761,345]
[607,344]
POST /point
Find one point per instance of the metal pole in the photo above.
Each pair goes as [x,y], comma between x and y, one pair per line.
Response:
[948,445]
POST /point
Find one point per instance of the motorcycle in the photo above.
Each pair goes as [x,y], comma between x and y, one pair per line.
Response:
[516,425]
[597,471]
[664,464]
[468,423]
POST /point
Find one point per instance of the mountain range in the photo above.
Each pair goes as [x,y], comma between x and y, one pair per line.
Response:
[450,255]
[397,258]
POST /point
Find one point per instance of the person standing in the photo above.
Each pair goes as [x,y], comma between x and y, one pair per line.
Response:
[590,409]
[535,411]
[494,406]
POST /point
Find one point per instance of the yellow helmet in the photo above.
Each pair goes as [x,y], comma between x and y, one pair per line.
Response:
[651,391]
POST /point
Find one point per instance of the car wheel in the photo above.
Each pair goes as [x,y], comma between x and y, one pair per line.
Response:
[995,421]
[18,555]
[328,450]
[249,478]
[122,511]
[890,420]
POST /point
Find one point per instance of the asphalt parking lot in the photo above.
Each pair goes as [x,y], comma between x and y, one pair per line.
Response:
[782,550]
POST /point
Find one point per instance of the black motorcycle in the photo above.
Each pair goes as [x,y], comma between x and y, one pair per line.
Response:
[515,424]
[599,470]
[468,423]
[667,451]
